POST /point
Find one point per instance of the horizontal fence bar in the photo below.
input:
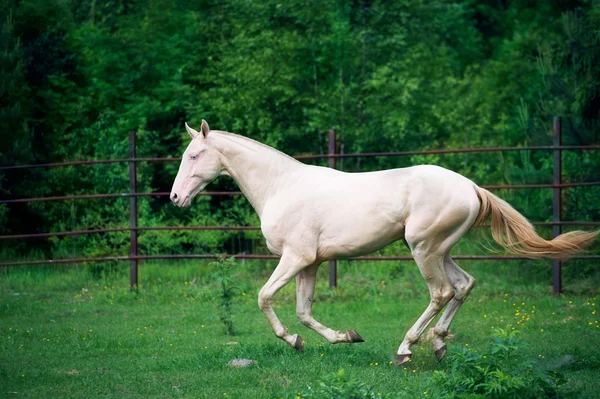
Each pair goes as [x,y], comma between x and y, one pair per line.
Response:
[449,151]
[215,228]
[89,162]
[563,223]
[520,186]
[261,257]
[318,156]
[468,257]
[128,258]
[232,193]
[115,195]
[127,229]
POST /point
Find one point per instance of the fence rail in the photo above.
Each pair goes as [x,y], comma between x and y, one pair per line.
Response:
[209,228]
[557,186]
[318,156]
[232,193]
[254,256]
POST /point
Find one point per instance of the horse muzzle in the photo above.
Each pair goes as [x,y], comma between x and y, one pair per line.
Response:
[180,201]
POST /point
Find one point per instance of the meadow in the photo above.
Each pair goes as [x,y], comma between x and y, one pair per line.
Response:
[80,332]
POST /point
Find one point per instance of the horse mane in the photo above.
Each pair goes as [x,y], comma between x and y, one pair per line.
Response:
[252,141]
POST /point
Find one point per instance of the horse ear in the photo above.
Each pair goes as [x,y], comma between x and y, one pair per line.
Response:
[205,129]
[191,131]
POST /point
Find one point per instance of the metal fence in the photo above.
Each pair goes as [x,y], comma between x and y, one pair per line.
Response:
[134,258]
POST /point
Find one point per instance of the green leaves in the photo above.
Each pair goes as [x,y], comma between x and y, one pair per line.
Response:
[338,386]
[225,291]
[389,76]
[500,372]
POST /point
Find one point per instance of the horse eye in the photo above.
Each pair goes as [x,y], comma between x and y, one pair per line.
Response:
[194,156]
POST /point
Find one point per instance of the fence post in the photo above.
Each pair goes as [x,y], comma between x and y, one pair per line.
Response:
[557,201]
[133,214]
[332,162]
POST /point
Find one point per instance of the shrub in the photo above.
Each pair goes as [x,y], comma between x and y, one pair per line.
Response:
[499,373]
[338,386]
[225,291]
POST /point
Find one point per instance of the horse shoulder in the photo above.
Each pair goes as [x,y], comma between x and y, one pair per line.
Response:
[286,224]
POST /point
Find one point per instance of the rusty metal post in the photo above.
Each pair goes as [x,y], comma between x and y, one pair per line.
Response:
[133,214]
[557,201]
[332,162]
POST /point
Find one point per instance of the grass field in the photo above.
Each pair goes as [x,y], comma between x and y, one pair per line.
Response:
[70,333]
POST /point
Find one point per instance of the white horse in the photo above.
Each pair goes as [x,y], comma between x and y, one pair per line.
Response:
[310,214]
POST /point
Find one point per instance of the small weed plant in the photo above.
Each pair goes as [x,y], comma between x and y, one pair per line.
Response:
[499,373]
[337,386]
[225,291]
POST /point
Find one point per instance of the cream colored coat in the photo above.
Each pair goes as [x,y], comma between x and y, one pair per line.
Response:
[311,214]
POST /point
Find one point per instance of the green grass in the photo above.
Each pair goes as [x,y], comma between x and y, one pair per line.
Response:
[66,333]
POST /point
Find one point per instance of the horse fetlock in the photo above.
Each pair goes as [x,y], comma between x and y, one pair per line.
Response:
[409,340]
[437,333]
[281,332]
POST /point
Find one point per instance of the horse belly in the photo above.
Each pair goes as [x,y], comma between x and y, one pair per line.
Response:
[358,234]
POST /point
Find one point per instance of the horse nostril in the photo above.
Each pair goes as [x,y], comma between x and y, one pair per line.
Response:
[174,197]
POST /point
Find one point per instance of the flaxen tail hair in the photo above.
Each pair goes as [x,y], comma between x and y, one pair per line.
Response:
[512,231]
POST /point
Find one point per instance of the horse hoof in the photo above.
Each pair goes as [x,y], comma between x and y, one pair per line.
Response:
[299,344]
[353,336]
[401,359]
[440,353]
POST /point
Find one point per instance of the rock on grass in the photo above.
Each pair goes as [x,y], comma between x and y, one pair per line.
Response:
[241,363]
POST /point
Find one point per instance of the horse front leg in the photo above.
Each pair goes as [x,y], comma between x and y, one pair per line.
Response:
[289,266]
[305,289]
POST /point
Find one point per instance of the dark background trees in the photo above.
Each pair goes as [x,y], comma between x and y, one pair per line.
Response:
[412,75]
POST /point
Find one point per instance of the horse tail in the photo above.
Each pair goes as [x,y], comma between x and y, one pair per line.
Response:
[512,231]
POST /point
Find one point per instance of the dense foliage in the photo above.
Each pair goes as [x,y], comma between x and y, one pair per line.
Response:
[77,76]
[501,372]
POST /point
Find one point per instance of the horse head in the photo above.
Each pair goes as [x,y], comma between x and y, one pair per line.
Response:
[200,165]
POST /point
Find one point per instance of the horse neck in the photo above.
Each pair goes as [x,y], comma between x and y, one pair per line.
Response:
[259,170]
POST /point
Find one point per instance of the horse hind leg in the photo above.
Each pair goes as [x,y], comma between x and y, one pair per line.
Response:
[430,247]
[305,288]
[463,283]
[432,269]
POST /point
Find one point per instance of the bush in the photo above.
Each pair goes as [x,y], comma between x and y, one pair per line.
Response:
[499,373]
[338,386]
[225,291]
